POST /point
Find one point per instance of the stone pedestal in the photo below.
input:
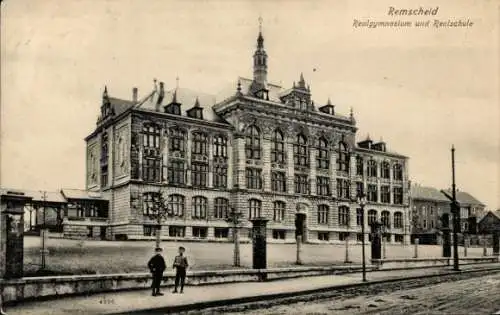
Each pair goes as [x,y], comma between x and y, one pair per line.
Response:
[376,245]
[12,235]
[446,243]
[259,247]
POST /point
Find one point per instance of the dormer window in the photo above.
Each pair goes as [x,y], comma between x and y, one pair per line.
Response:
[196,113]
[174,109]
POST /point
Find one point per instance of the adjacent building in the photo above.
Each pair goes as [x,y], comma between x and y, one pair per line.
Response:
[428,205]
[267,150]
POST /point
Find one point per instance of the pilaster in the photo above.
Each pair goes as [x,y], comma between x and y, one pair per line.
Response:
[266,164]
[333,173]
[188,157]
[164,160]
[312,170]
[290,174]
[352,176]
[240,161]
[210,162]
[230,162]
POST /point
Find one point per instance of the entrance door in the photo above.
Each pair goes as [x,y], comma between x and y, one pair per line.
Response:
[300,225]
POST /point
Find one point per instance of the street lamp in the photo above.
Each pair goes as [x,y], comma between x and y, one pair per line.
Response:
[362,202]
[235,217]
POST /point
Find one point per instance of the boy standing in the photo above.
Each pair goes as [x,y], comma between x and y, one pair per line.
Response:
[181,264]
[157,266]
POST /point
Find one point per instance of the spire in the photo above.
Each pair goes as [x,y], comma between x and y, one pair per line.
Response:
[105,93]
[352,113]
[302,82]
[197,102]
[260,59]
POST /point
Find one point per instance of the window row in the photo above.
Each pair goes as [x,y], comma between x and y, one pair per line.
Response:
[372,169]
[175,206]
[177,141]
[301,145]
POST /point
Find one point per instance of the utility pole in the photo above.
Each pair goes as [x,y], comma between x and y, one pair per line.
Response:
[456,212]
[43,231]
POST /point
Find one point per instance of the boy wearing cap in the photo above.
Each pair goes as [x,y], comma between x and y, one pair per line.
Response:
[157,266]
[180,264]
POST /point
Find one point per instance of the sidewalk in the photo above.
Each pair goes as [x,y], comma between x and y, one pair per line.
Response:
[141,300]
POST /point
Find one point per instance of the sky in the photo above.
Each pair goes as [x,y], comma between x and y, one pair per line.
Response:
[420,89]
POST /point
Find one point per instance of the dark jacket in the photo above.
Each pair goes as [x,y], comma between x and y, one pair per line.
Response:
[180,262]
[157,264]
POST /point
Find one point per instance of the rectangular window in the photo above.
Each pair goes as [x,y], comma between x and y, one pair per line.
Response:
[343,236]
[278,181]
[176,172]
[176,231]
[398,238]
[221,208]
[150,230]
[176,205]
[254,208]
[279,234]
[220,146]
[359,166]
[323,236]
[359,237]
[301,184]
[177,141]
[199,173]
[360,189]
[151,170]
[199,210]
[398,195]
[199,232]
[343,216]
[90,232]
[279,211]
[322,214]
[359,217]
[254,179]
[220,176]
[372,193]
[323,186]
[385,194]
[221,232]
[199,144]
[343,188]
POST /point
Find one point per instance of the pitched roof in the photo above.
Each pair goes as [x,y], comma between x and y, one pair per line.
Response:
[38,195]
[120,105]
[466,198]
[187,98]
[80,194]
[427,193]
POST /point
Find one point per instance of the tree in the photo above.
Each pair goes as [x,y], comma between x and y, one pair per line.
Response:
[157,211]
[235,219]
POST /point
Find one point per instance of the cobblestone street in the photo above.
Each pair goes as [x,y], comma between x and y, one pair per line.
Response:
[472,296]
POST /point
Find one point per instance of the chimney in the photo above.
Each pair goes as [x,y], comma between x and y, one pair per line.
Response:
[134,94]
[161,95]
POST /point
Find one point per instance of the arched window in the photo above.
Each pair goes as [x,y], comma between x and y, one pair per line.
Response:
[199,207]
[323,214]
[323,156]
[359,165]
[398,220]
[385,170]
[199,145]
[176,205]
[300,151]
[343,159]
[252,145]
[279,211]
[386,219]
[278,147]
[343,216]
[104,159]
[254,208]
[177,140]
[372,216]
[398,171]
[221,208]
[372,168]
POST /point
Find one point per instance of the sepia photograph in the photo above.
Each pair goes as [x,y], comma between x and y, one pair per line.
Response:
[249,157]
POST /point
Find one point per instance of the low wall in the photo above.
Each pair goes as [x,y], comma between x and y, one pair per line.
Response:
[384,264]
[32,288]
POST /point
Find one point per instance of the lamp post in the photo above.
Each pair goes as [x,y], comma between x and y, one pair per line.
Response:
[235,218]
[43,232]
[362,202]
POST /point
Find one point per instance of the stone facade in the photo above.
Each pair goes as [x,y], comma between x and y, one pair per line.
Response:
[262,149]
